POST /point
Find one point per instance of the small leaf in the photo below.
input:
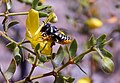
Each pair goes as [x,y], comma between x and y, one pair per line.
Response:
[59,79]
[67,51]
[11,45]
[18,59]
[73,48]
[12,23]
[30,59]
[68,79]
[17,55]
[106,53]
[80,58]
[42,14]
[101,39]
[37,47]
[43,7]
[92,41]
[43,59]
[26,1]
[34,4]
[11,69]
[40,64]
[59,57]
[9,4]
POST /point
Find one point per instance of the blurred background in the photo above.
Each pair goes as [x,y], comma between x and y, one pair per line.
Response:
[72,18]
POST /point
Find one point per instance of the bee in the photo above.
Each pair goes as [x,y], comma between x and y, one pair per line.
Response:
[51,32]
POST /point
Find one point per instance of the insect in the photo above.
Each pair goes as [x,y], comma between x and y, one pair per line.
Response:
[51,32]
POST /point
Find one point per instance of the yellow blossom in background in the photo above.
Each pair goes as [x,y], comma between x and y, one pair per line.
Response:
[93,23]
[84,80]
[32,25]
[42,1]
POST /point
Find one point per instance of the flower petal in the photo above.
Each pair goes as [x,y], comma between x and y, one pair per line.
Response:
[48,49]
[32,21]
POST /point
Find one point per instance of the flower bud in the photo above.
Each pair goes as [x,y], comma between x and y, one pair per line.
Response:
[84,80]
[93,23]
[107,65]
[54,19]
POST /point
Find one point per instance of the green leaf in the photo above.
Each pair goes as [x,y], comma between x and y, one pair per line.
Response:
[30,59]
[59,79]
[43,7]
[40,64]
[18,59]
[12,23]
[63,79]
[106,53]
[73,48]
[43,59]
[9,4]
[100,40]
[68,79]
[59,57]
[17,55]
[92,41]
[35,4]
[37,47]
[11,69]
[11,45]
[67,51]
[26,1]
[42,14]
[80,58]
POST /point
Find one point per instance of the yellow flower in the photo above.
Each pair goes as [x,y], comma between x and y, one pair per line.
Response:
[42,1]
[32,34]
[84,80]
[93,23]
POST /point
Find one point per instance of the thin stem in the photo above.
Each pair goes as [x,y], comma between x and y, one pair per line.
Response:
[62,67]
[36,77]
[14,14]
[83,54]
[108,41]
[8,38]
[40,76]
[24,42]
[99,52]
[74,59]
[32,69]
[27,49]
[4,76]
[81,68]
[19,13]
